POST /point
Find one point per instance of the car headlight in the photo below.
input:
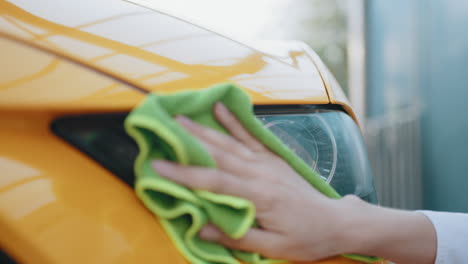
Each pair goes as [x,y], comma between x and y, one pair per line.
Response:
[331,143]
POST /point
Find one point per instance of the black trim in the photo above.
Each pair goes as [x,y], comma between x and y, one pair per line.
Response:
[5,258]
[295,109]
[111,126]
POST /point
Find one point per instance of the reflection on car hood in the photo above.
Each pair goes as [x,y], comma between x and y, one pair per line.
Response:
[162,53]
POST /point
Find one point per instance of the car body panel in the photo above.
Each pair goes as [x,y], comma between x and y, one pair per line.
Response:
[57,205]
[123,40]
[34,79]
[84,216]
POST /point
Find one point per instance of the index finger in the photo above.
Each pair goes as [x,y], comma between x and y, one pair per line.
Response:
[236,129]
[209,179]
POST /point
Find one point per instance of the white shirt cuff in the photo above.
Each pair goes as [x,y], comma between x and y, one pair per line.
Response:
[452,236]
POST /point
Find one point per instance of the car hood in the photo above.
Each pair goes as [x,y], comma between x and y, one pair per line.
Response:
[158,52]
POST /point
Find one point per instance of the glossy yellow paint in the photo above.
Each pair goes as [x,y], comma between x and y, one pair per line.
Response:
[123,40]
[33,79]
[61,207]
[56,204]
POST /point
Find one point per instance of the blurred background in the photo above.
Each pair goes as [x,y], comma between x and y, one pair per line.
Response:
[403,64]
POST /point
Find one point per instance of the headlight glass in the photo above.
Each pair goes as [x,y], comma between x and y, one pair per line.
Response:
[331,143]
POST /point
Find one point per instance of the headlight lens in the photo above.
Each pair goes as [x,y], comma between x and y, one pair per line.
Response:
[330,142]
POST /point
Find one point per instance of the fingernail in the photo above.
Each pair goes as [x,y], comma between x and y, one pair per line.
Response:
[184,120]
[221,106]
[209,232]
[163,167]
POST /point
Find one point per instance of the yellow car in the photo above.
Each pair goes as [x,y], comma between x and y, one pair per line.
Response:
[72,70]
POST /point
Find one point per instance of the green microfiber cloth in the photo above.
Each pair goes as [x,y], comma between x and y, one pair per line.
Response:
[182,211]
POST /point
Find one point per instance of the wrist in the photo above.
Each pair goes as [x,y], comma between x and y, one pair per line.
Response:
[355,225]
[396,235]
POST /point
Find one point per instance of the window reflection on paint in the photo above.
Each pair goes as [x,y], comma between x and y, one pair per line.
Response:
[283,81]
[322,24]
[87,50]
[31,82]
[26,198]
[166,77]
[8,27]
[130,65]
[14,171]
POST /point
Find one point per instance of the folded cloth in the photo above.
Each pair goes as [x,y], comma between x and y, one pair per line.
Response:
[182,211]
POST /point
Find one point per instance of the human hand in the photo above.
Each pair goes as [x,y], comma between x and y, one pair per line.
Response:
[296,222]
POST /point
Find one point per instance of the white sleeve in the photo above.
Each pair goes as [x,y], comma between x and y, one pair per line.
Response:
[452,236]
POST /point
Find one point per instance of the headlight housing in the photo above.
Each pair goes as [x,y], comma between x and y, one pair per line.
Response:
[331,143]
[328,140]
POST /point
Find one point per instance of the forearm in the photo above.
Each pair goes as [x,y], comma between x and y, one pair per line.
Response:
[399,236]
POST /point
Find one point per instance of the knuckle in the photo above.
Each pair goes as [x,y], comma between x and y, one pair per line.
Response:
[231,242]
[216,181]
[203,131]
[222,157]
[175,173]
[273,250]
[256,146]
[264,197]
[223,182]
[195,128]
[249,155]
[234,145]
